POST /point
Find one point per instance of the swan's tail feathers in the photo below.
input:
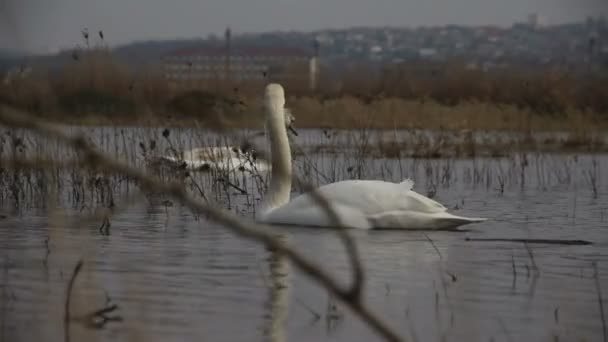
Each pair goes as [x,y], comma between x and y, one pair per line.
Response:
[420,220]
[447,220]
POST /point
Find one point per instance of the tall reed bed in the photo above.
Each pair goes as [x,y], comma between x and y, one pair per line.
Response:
[92,86]
[435,160]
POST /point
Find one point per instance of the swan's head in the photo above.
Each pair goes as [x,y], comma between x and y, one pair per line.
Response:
[276,113]
[289,121]
[274,98]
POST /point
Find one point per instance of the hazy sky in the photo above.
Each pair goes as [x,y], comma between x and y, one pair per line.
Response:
[51,24]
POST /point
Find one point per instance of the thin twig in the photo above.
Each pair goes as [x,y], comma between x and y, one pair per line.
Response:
[99,318]
[534,266]
[226,181]
[502,325]
[68,299]
[352,250]
[600,300]
[433,244]
[45,262]
[514,268]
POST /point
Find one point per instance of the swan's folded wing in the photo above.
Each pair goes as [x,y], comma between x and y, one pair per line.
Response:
[390,197]
[373,197]
[416,201]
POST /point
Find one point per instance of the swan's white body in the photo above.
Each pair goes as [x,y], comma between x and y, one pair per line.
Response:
[364,204]
[219,158]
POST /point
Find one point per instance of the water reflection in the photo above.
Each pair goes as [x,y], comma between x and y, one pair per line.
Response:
[278,303]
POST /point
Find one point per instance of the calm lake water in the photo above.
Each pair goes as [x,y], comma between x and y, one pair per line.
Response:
[179,277]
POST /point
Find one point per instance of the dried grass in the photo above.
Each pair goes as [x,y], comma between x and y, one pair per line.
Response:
[97,89]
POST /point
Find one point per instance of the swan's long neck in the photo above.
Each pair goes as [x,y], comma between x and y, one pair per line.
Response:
[280,177]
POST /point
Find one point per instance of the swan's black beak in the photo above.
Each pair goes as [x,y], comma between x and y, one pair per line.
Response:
[292,130]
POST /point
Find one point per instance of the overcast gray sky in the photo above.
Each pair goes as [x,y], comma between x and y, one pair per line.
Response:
[51,24]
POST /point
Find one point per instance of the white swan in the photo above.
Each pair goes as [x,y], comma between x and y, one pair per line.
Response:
[362,204]
[228,158]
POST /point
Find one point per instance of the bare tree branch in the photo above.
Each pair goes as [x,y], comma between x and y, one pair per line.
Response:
[92,158]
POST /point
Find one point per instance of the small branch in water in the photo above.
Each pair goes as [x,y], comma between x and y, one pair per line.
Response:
[534,266]
[600,300]
[535,241]
[433,244]
[315,315]
[99,318]
[514,267]
[45,262]
[68,298]
[104,229]
[502,325]
[333,316]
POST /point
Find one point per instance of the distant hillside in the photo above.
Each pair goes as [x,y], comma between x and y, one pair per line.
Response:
[145,52]
[7,53]
[569,47]
[8,58]
[152,51]
[142,53]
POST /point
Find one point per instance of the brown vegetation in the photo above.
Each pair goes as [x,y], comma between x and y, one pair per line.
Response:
[94,88]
